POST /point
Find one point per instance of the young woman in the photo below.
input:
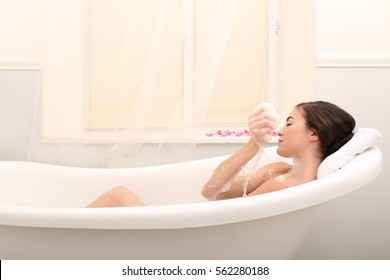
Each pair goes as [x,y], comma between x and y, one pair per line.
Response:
[312,131]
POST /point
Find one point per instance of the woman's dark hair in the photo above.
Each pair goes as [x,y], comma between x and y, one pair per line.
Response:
[333,125]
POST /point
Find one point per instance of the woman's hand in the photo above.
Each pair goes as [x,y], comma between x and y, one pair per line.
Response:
[262,122]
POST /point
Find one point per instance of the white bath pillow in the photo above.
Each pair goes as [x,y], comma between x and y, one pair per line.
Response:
[363,139]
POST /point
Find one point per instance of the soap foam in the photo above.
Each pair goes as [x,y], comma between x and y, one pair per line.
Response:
[270,111]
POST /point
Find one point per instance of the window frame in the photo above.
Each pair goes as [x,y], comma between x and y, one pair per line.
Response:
[76,128]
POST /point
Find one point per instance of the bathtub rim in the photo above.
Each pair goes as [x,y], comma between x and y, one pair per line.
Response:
[352,176]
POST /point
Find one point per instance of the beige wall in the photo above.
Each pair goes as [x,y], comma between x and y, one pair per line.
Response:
[297,47]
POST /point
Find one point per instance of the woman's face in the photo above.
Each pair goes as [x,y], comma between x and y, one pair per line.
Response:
[294,136]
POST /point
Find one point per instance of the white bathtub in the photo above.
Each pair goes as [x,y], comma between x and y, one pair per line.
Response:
[42,214]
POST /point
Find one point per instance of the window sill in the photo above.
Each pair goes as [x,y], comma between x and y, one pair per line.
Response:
[104,137]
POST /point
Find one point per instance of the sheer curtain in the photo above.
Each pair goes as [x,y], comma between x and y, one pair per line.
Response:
[156,73]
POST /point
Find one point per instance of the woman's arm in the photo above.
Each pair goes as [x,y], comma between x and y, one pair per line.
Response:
[238,184]
[221,184]
[260,181]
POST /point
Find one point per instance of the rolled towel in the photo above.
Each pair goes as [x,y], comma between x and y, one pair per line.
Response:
[363,139]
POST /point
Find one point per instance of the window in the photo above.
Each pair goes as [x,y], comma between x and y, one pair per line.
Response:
[121,44]
[97,62]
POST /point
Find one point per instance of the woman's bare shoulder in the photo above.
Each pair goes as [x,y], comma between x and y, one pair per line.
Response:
[274,178]
[279,166]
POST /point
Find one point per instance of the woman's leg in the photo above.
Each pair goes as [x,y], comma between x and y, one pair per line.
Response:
[117,197]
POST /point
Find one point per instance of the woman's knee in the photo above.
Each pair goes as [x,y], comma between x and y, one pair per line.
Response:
[119,190]
[117,197]
[123,196]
